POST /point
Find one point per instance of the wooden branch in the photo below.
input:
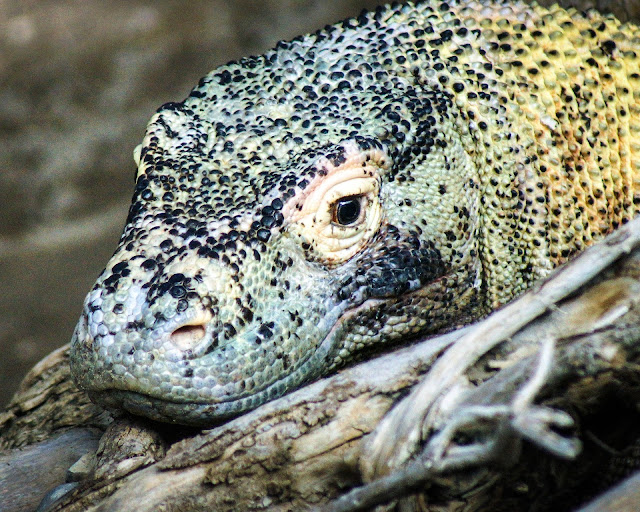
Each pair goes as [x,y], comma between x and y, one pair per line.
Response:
[397,436]
[311,446]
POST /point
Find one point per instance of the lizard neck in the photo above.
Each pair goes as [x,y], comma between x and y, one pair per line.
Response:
[558,112]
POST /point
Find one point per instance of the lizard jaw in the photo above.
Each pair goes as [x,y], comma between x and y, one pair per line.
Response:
[199,414]
[210,413]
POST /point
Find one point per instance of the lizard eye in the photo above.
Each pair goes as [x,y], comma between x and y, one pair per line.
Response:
[340,211]
[348,210]
[340,220]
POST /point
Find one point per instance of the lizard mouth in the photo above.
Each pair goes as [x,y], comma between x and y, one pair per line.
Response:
[202,413]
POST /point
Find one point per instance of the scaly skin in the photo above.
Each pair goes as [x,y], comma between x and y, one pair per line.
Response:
[392,175]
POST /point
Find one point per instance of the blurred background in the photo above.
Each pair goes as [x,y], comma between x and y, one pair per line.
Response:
[79,80]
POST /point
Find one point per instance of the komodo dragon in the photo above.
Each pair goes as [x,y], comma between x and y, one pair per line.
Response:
[399,173]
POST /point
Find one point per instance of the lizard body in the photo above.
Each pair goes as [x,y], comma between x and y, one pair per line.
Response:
[399,173]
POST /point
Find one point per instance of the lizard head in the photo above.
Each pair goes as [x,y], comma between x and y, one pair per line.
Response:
[295,210]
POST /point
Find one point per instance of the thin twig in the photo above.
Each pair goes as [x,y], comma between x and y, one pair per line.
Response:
[519,419]
[411,479]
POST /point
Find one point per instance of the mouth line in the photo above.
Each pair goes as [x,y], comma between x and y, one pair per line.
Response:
[202,412]
[198,413]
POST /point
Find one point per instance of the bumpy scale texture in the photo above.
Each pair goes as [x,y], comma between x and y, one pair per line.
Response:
[398,173]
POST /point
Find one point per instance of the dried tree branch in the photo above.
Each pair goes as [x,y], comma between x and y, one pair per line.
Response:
[441,454]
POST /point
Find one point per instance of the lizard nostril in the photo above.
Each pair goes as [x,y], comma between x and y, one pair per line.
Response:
[187,336]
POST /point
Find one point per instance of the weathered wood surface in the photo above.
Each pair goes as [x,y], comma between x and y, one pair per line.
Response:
[485,426]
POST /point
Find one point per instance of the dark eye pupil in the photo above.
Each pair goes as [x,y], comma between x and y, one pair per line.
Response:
[348,210]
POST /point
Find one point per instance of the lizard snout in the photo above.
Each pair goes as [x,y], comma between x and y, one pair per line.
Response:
[192,336]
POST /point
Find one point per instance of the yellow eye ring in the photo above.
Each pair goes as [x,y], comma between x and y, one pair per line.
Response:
[339,212]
